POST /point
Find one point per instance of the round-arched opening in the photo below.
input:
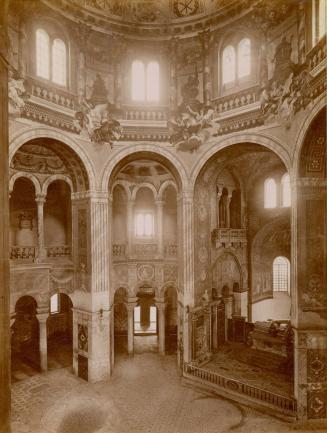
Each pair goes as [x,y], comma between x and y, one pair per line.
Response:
[25,354]
[60,332]
[171,321]
[55,171]
[120,322]
[23,220]
[58,219]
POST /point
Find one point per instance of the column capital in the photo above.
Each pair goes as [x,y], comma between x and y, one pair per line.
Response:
[186,196]
[161,305]
[40,198]
[42,317]
[160,202]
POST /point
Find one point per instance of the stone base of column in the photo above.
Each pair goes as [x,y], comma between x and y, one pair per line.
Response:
[99,365]
[310,379]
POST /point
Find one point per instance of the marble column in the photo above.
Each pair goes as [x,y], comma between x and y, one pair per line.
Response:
[130,226]
[4,228]
[160,204]
[229,198]
[40,200]
[219,193]
[130,305]
[99,366]
[42,317]
[186,262]
[161,307]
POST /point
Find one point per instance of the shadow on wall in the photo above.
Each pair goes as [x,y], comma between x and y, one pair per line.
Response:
[276,308]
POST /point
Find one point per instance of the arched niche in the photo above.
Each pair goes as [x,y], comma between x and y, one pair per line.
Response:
[226,274]
[171,319]
[120,321]
[119,217]
[25,337]
[60,331]
[58,215]
[23,216]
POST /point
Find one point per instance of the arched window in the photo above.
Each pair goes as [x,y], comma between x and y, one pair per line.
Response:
[144,224]
[236,62]
[318,20]
[281,274]
[244,58]
[138,81]
[229,65]
[54,304]
[145,81]
[42,54]
[286,190]
[152,81]
[270,193]
[59,62]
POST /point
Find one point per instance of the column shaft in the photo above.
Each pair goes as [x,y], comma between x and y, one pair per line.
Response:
[162,327]
[40,200]
[130,226]
[130,305]
[160,227]
[43,340]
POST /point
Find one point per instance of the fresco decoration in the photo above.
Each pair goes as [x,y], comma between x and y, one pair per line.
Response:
[288,91]
[95,116]
[192,124]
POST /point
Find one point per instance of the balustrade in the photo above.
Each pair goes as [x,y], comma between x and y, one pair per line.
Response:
[153,114]
[171,250]
[58,251]
[237,100]
[118,250]
[228,236]
[22,252]
[52,94]
[317,54]
[279,401]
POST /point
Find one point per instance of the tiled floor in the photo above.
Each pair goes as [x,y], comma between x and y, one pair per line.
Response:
[144,395]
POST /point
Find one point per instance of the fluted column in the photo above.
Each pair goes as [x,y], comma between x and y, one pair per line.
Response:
[161,307]
[40,200]
[160,205]
[99,232]
[130,225]
[42,317]
[119,50]
[130,305]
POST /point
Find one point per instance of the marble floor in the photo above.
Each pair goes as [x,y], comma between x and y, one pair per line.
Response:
[145,395]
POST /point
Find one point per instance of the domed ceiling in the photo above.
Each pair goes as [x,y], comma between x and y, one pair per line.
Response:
[152,11]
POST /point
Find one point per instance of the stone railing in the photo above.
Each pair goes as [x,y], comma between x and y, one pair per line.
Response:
[171,250]
[51,94]
[145,249]
[19,252]
[317,54]
[268,398]
[153,114]
[237,100]
[58,251]
[228,236]
[118,250]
